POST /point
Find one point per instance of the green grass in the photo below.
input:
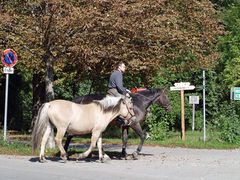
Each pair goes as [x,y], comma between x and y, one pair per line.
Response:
[15,148]
[193,140]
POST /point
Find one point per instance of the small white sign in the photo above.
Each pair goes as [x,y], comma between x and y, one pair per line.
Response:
[193,99]
[8,70]
[182,84]
[173,88]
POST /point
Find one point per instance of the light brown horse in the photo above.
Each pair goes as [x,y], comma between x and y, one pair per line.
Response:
[78,119]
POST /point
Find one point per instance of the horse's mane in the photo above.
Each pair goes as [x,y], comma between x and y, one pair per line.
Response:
[109,104]
[86,99]
[149,91]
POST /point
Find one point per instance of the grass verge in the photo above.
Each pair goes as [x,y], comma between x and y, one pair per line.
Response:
[22,145]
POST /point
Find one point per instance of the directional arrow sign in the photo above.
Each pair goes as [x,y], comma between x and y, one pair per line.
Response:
[182,84]
[174,88]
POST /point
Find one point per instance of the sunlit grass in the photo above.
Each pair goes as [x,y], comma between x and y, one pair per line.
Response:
[192,140]
[15,148]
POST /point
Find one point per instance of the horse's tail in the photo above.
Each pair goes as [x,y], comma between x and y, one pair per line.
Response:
[40,126]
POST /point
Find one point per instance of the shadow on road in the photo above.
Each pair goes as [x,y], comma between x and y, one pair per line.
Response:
[93,157]
[75,149]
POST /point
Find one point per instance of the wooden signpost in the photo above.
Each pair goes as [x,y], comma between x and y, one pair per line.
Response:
[181,87]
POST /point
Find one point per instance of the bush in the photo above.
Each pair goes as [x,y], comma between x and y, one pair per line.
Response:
[158,131]
[157,123]
[198,121]
[228,123]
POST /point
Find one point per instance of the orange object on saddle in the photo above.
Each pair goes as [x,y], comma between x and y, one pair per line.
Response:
[134,90]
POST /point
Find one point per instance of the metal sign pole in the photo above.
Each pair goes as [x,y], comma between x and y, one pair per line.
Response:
[204,110]
[9,60]
[6,107]
[193,116]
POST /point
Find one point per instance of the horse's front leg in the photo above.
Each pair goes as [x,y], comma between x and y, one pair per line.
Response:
[124,140]
[138,129]
[94,139]
[102,156]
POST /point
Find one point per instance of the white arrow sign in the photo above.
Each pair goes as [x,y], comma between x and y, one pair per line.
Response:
[173,88]
[182,84]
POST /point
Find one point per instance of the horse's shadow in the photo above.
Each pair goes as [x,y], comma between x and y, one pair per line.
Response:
[52,158]
[93,157]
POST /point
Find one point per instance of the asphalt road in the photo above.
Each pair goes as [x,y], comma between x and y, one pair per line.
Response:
[154,163]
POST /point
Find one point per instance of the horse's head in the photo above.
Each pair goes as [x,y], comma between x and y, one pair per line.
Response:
[162,99]
[127,108]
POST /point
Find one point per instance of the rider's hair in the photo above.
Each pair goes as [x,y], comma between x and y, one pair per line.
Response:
[119,64]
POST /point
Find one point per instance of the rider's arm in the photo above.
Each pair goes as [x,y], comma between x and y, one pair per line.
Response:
[119,83]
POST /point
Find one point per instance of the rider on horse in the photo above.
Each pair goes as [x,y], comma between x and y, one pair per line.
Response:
[116,88]
[115,85]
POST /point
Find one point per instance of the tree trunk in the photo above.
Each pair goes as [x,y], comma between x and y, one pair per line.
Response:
[49,79]
[49,93]
[38,95]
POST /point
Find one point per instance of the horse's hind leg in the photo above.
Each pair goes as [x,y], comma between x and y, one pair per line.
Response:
[69,138]
[94,139]
[100,150]
[124,140]
[138,129]
[58,139]
[43,143]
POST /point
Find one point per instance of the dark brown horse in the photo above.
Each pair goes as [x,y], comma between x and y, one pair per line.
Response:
[142,101]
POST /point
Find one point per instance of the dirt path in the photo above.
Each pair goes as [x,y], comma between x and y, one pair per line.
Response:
[155,163]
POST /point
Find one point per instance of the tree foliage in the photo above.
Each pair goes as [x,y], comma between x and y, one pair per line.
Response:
[230,47]
[225,3]
[147,34]
[78,41]
[91,36]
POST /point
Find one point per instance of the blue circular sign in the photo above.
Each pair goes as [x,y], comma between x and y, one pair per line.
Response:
[9,58]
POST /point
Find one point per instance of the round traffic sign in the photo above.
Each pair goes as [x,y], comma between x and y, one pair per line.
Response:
[9,58]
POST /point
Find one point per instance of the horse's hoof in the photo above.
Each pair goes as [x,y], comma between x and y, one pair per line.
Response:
[124,157]
[64,158]
[106,157]
[101,160]
[135,155]
[42,160]
[81,156]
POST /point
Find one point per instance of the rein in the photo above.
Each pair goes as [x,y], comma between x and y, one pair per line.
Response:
[129,110]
